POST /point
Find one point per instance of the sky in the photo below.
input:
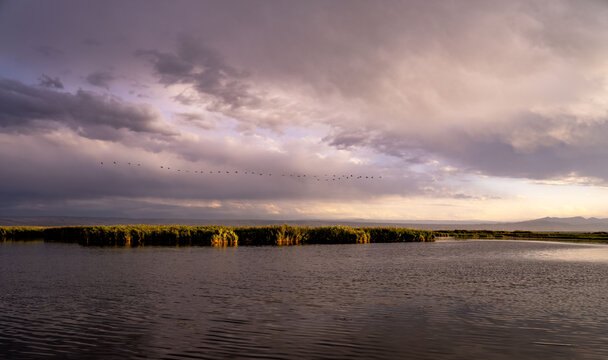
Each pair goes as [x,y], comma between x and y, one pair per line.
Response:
[460,110]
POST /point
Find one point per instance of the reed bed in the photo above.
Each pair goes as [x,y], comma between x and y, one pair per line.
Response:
[391,234]
[179,235]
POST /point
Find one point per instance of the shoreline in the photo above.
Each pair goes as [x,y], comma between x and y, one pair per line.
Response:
[600,237]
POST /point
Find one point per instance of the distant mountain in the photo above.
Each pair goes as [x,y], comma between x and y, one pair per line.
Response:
[571,224]
[577,223]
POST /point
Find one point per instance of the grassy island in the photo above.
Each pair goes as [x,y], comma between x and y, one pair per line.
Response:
[179,235]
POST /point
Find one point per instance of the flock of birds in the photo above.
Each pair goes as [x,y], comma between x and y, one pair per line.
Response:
[326,177]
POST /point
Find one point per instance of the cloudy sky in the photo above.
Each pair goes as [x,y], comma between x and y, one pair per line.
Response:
[487,110]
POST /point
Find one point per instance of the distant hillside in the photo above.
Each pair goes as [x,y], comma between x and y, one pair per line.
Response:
[578,224]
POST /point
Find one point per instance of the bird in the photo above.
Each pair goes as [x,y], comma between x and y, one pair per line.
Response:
[102,163]
[161,167]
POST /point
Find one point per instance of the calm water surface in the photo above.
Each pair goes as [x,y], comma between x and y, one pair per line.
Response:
[443,300]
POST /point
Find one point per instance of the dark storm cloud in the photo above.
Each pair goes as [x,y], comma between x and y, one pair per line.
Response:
[100,79]
[347,139]
[50,82]
[394,144]
[527,146]
[48,51]
[24,108]
[221,85]
[170,67]
[533,147]
[195,119]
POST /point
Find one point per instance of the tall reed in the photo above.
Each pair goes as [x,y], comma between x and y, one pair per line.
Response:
[180,235]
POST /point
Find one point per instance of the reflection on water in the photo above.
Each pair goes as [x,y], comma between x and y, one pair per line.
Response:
[572,252]
[445,300]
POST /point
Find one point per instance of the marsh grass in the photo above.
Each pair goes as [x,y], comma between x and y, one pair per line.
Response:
[391,234]
[271,235]
[180,235]
[127,235]
[21,233]
[597,237]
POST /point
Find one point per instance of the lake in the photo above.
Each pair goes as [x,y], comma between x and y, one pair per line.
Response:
[443,300]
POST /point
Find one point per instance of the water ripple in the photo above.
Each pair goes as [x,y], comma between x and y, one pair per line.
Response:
[447,300]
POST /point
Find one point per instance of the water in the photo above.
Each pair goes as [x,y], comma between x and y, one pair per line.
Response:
[443,300]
